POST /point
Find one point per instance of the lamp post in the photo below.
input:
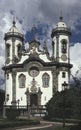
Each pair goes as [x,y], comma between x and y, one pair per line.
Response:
[18,101]
[64,86]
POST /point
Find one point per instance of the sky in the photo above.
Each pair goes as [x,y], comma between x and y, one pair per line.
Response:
[44,15]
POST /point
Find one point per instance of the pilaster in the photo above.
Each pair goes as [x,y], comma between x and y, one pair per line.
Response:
[13,87]
[55,80]
[13,49]
[57,48]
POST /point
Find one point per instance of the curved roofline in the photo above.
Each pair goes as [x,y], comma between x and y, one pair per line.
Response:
[45,64]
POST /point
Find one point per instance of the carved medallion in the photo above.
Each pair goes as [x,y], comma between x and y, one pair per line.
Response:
[34,71]
[64,57]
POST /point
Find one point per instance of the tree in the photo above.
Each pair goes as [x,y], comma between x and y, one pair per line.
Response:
[55,107]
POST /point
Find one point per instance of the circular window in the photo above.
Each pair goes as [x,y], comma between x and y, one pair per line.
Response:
[34,71]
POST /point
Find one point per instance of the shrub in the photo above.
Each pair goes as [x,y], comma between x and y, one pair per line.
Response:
[65,104]
[18,122]
[12,113]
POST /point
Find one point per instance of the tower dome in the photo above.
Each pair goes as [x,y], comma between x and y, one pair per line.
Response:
[61,27]
[61,23]
[14,28]
[14,32]
[14,44]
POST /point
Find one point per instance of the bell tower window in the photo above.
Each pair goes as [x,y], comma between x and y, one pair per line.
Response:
[64,46]
[8,50]
[45,80]
[19,50]
[63,74]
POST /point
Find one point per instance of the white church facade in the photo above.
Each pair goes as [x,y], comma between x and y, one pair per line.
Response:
[32,76]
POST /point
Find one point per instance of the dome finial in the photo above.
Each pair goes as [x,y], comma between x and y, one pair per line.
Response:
[61,17]
[14,21]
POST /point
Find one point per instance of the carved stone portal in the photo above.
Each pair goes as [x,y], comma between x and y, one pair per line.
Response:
[33,95]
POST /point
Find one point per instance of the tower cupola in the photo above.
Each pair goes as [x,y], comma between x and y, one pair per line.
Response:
[14,41]
[61,28]
[14,32]
[61,23]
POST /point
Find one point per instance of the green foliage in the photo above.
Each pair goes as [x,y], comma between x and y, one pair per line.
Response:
[19,122]
[66,103]
[12,113]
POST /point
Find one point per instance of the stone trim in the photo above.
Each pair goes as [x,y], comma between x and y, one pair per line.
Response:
[57,48]
[55,73]
[29,93]
[13,35]
[47,65]
[60,30]
[13,49]
[14,87]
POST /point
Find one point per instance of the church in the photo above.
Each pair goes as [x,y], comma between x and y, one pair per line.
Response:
[32,76]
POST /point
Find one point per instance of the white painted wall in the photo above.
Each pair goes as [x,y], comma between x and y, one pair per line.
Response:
[16,43]
[46,92]
[9,89]
[44,57]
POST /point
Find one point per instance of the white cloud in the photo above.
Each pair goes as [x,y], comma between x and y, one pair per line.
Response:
[32,12]
[76,57]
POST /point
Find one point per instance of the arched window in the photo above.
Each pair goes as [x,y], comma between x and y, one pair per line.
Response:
[45,80]
[63,74]
[19,50]
[22,80]
[8,50]
[64,46]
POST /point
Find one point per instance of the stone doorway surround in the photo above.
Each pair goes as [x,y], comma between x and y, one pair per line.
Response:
[33,94]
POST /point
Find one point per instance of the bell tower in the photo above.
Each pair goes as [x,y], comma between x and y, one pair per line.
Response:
[61,52]
[60,42]
[14,45]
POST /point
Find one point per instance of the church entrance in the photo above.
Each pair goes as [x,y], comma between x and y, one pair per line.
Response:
[33,100]
[33,97]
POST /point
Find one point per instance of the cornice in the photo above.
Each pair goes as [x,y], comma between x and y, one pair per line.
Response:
[37,59]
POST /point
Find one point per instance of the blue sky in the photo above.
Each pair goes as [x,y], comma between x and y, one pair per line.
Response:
[44,15]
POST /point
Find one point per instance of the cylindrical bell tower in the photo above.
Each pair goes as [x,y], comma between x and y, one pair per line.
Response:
[60,37]
[14,45]
[61,52]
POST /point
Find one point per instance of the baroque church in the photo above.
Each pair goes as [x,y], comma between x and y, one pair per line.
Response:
[32,76]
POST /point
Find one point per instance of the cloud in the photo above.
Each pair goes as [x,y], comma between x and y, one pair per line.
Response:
[76,58]
[40,12]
